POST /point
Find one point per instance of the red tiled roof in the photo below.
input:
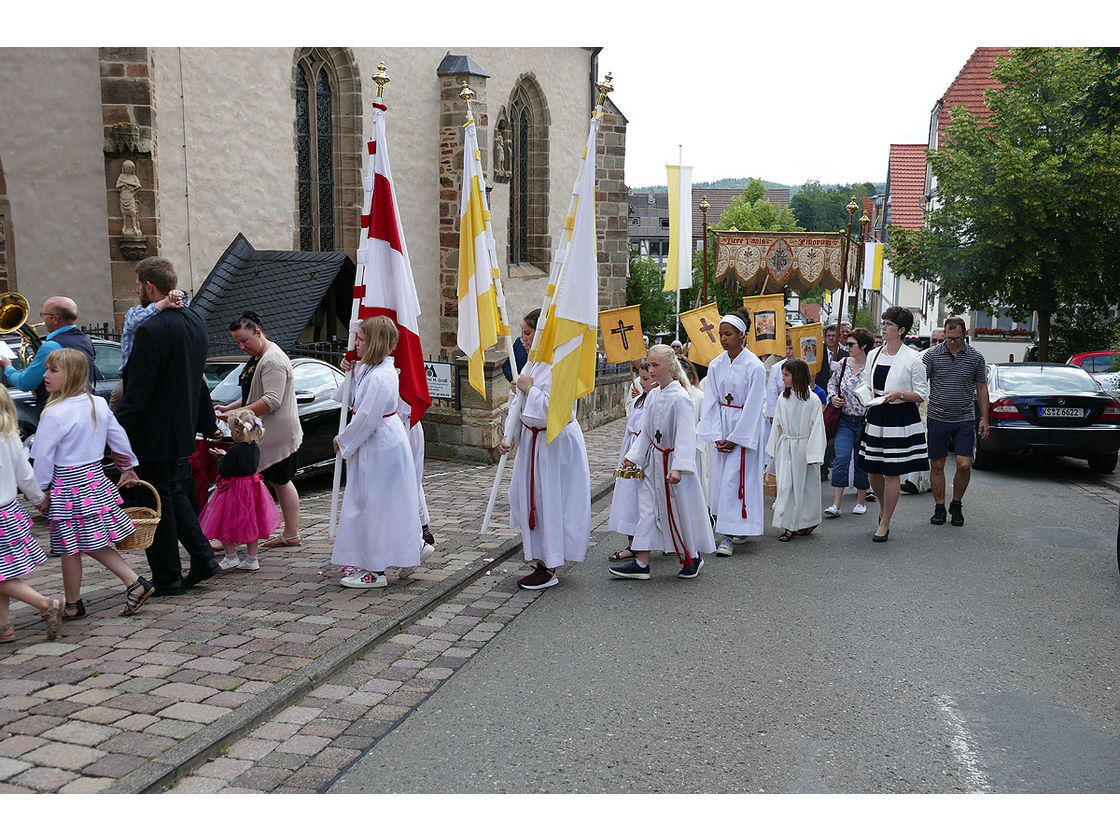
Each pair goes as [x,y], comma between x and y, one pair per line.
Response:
[906,185]
[969,87]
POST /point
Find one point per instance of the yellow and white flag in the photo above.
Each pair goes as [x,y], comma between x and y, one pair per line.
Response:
[678,271]
[873,265]
[479,321]
[569,337]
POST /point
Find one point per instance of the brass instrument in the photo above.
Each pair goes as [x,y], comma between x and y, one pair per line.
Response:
[13,318]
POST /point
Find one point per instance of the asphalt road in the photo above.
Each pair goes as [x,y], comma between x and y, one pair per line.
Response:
[975,659]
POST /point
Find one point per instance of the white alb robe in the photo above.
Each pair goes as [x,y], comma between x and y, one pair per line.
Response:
[671,517]
[797,442]
[703,447]
[624,502]
[416,441]
[560,496]
[740,420]
[381,494]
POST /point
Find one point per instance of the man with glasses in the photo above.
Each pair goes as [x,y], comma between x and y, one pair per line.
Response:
[60,314]
[956,374]
[936,337]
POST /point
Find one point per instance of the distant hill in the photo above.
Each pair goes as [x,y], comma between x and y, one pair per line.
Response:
[742,183]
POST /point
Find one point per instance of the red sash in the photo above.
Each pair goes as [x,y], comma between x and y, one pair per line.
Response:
[683,554]
[533,474]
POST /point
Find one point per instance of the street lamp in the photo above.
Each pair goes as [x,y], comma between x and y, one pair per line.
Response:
[704,208]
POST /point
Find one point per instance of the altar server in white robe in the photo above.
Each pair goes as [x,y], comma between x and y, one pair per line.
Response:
[381,490]
[773,391]
[416,443]
[732,418]
[797,443]
[550,489]
[624,502]
[672,516]
[695,389]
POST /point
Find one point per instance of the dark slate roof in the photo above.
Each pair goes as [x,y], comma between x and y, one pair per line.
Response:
[283,287]
[455,65]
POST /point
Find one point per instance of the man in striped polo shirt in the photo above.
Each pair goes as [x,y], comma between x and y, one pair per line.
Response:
[957,378]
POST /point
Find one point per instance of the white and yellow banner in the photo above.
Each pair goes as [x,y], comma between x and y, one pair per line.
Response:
[873,266]
[678,271]
[479,322]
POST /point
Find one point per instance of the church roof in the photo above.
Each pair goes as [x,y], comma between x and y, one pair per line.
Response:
[458,65]
[906,185]
[283,287]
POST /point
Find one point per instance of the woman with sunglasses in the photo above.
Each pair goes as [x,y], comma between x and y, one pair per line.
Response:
[894,441]
[842,393]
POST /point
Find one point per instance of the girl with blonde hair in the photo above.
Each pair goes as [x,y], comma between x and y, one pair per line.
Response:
[381,495]
[85,508]
[19,551]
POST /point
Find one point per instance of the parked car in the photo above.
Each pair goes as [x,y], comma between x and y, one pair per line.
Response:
[108,359]
[1103,366]
[1050,409]
[314,381]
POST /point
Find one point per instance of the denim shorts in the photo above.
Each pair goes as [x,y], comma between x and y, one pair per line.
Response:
[939,434]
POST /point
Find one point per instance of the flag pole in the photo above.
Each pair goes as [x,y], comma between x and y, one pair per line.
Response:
[380,79]
[559,265]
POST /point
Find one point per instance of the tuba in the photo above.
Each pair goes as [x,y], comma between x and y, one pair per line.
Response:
[13,318]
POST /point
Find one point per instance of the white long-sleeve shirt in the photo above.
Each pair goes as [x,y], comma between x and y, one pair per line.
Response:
[16,473]
[68,437]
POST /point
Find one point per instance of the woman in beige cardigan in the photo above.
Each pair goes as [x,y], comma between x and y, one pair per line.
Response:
[268,391]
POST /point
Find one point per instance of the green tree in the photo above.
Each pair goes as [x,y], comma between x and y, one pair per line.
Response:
[1028,213]
[821,209]
[643,288]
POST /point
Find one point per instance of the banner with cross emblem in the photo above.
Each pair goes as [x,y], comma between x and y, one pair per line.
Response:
[702,326]
[622,334]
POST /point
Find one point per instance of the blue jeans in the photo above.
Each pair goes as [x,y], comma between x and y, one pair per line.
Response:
[847,445]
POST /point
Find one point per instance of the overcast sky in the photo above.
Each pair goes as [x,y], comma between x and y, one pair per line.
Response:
[785,91]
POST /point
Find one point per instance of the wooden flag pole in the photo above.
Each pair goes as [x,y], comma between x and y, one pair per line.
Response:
[559,266]
[380,79]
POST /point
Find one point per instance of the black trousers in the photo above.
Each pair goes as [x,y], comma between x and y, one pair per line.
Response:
[178,523]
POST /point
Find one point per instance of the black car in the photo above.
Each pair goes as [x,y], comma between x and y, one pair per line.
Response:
[314,382]
[1049,409]
[105,375]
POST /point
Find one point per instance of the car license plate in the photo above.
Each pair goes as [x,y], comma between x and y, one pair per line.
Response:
[1053,411]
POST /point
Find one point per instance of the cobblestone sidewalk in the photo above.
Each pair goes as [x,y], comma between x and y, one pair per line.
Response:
[125,704]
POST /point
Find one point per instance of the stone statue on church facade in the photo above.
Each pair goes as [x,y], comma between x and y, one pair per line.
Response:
[128,186]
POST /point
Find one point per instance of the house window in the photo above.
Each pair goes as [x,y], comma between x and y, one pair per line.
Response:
[315,150]
[665,224]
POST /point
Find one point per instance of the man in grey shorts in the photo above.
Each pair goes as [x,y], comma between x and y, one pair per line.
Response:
[957,373]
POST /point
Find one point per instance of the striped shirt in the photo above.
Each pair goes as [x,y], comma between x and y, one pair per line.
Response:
[952,382]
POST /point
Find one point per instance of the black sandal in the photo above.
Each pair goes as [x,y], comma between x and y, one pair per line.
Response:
[804,532]
[135,600]
[79,608]
[788,535]
[618,557]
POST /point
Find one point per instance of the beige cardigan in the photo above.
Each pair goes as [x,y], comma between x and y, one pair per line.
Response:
[272,382]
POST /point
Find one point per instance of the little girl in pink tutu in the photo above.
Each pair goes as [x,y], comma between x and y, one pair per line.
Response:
[240,510]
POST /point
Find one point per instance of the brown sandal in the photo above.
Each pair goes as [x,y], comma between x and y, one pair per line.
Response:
[7,634]
[788,535]
[281,541]
[135,600]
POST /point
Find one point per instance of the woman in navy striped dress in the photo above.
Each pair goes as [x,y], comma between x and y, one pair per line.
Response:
[894,441]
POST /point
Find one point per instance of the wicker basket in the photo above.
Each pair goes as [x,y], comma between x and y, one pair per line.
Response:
[769,484]
[146,520]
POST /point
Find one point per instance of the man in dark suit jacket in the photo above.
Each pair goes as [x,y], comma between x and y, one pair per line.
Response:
[165,403]
[833,352]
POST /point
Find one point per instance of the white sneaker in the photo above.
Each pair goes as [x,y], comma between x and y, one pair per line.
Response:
[362,579]
[426,552]
[832,511]
[227,563]
[724,548]
[859,510]
[249,565]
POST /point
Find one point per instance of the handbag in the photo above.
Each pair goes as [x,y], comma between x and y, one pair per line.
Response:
[831,412]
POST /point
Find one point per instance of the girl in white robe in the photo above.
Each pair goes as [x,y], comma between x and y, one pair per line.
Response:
[624,502]
[672,516]
[732,418]
[797,442]
[695,389]
[550,489]
[380,471]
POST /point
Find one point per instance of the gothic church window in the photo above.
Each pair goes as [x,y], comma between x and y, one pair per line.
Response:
[528,119]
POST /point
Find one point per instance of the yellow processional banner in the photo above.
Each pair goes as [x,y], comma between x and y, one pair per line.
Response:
[702,326]
[808,345]
[767,332]
[622,334]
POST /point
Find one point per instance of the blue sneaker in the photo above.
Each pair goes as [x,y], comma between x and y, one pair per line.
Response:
[690,569]
[631,571]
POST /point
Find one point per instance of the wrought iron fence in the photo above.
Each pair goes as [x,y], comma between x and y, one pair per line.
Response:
[103,330]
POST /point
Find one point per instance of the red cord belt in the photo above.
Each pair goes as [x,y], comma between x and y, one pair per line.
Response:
[683,554]
[533,474]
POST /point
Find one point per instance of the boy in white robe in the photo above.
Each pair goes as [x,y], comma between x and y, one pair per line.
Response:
[672,516]
[732,418]
[797,442]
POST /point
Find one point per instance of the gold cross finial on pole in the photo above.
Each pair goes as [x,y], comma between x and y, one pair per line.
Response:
[466,94]
[605,87]
[381,79]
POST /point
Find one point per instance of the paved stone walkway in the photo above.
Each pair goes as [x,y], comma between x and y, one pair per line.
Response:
[239,675]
